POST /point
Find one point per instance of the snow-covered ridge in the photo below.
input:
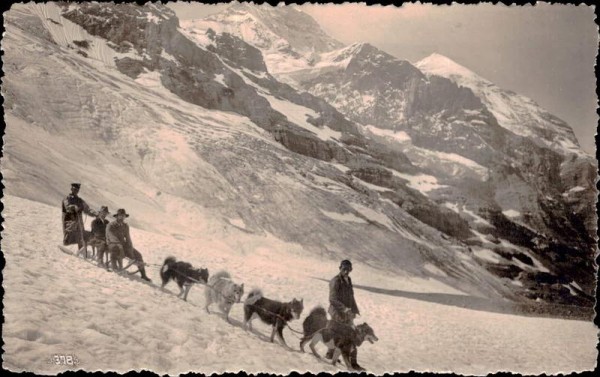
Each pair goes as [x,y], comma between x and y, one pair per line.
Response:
[289,39]
[297,29]
[437,64]
[515,112]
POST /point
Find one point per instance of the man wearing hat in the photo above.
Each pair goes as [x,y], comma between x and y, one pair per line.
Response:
[342,306]
[72,208]
[120,245]
[98,239]
[341,295]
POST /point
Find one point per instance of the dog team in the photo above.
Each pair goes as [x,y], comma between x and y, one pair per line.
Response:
[338,334]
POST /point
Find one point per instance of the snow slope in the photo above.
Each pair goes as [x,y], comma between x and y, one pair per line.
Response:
[183,169]
[57,304]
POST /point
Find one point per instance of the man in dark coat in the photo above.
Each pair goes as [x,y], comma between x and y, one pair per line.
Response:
[72,209]
[119,244]
[342,306]
[98,239]
[341,295]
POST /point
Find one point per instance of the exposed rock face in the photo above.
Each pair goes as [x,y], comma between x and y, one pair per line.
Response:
[190,75]
[305,144]
[237,52]
[541,130]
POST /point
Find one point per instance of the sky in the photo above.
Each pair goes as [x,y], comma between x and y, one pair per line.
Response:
[546,52]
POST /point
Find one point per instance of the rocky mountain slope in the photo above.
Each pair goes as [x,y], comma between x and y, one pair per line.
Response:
[417,177]
[510,169]
[164,126]
[522,116]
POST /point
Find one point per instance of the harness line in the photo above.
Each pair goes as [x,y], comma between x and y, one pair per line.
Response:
[231,300]
[279,316]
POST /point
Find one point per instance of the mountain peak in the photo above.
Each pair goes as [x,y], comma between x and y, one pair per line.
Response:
[273,26]
[288,38]
[359,47]
[441,65]
[514,112]
[365,50]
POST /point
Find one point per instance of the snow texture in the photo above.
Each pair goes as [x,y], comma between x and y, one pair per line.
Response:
[57,304]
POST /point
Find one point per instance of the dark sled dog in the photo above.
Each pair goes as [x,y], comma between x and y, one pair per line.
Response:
[274,313]
[183,273]
[343,338]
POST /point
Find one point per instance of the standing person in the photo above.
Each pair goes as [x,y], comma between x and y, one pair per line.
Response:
[342,305]
[120,245]
[72,220]
[98,239]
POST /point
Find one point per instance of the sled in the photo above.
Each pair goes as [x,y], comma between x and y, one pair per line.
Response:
[122,273]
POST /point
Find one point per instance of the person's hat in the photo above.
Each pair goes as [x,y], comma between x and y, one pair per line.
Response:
[103,209]
[78,185]
[121,211]
[346,263]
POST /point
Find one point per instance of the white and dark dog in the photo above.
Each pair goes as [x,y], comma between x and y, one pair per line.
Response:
[274,313]
[221,290]
[183,273]
[343,338]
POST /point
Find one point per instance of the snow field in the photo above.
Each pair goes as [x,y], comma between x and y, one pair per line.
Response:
[399,136]
[299,114]
[59,304]
[511,213]
[423,183]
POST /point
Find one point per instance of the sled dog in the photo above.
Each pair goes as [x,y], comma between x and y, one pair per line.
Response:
[274,313]
[183,273]
[344,339]
[221,290]
[316,320]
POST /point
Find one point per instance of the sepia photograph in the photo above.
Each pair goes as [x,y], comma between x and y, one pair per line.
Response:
[315,188]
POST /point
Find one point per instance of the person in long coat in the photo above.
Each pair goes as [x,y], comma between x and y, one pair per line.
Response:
[73,208]
[342,306]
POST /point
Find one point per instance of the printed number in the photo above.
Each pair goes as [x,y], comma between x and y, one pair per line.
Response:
[64,359]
